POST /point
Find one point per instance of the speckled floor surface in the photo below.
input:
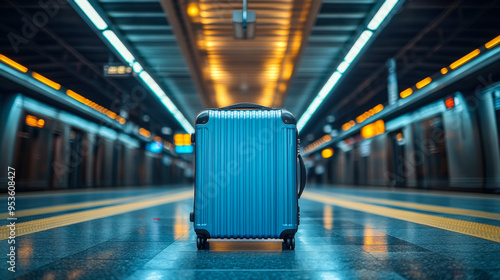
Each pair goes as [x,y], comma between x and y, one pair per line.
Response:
[332,243]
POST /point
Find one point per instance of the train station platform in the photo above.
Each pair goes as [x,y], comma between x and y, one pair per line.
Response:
[345,233]
[382,116]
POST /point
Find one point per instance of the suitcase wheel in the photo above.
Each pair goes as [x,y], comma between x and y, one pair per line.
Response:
[201,242]
[289,243]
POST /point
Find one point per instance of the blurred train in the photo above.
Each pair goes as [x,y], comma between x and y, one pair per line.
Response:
[53,149]
[451,143]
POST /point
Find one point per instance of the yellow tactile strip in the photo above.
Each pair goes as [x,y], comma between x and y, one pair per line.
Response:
[88,215]
[479,230]
[73,206]
[424,207]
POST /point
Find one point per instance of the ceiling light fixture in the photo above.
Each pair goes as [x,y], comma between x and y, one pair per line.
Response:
[92,14]
[382,13]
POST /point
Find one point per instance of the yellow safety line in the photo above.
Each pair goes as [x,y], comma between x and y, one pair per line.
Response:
[479,230]
[432,193]
[425,207]
[88,215]
[66,207]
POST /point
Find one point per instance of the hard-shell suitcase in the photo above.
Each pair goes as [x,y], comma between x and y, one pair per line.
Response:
[249,174]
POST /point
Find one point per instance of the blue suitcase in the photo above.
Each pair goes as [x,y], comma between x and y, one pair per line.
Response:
[247,179]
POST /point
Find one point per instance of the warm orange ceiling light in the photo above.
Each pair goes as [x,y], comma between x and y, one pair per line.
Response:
[327,153]
[405,93]
[493,42]
[464,59]
[373,129]
[13,64]
[144,132]
[34,121]
[193,9]
[46,81]
[424,82]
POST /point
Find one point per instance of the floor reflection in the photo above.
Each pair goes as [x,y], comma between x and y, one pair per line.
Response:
[181,223]
[225,246]
[372,246]
[328,216]
[25,252]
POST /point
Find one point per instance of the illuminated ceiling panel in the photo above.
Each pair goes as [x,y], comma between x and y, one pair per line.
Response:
[257,70]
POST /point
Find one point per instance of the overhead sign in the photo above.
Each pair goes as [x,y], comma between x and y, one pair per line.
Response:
[117,71]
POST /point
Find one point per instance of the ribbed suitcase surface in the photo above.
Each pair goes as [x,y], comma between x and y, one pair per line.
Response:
[246,174]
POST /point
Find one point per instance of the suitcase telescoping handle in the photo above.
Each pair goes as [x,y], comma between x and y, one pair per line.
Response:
[302,175]
[244,106]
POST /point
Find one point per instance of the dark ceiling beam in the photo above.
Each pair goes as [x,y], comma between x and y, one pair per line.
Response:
[143,27]
[342,15]
[183,35]
[348,27]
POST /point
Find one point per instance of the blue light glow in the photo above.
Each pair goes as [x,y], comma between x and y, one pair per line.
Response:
[184,149]
[154,147]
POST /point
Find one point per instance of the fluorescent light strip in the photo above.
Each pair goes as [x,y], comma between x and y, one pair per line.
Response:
[92,14]
[382,13]
[343,66]
[329,85]
[150,82]
[358,46]
[137,67]
[332,81]
[318,99]
[118,45]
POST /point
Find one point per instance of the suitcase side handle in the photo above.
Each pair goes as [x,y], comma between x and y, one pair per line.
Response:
[302,175]
[244,106]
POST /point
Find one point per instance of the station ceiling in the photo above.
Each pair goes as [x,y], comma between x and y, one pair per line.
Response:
[188,47]
[194,55]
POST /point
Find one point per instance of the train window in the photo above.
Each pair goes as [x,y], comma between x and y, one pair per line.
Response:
[98,160]
[77,159]
[431,153]
[496,101]
[496,98]
[56,160]
[32,158]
